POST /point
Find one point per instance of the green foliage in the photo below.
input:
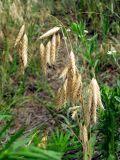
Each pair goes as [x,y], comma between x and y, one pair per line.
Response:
[60,140]
[89,45]
[13,149]
[109,125]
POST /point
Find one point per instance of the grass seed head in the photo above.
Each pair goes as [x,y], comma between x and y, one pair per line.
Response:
[64,73]
[43,58]
[25,51]
[94,100]
[77,89]
[48,52]
[20,34]
[53,49]
[50,32]
[84,136]
[59,97]
[58,40]
[72,64]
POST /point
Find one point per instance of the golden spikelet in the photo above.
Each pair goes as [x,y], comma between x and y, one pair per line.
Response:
[58,39]
[72,76]
[74,114]
[77,89]
[48,52]
[94,100]
[85,134]
[53,49]
[43,143]
[86,115]
[84,137]
[24,51]
[50,32]
[71,84]
[72,64]
[20,34]
[61,97]
[43,58]
[65,91]
[64,73]
[74,111]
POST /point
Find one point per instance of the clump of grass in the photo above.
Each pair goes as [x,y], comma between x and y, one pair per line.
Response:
[72,91]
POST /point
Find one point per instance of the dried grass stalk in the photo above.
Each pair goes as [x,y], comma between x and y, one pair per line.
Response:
[85,134]
[48,52]
[43,58]
[53,49]
[24,51]
[20,34]
[84,137]
[50,32]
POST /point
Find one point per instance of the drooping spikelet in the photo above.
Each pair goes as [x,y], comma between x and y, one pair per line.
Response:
[77,89]
[94,100]
[50,32]
[61,96]
[64,73]
[65,91]
[71,76]
[58,40]
[20,34]
[43,58]
[53,49]
[24,51]
[72,64]
[48,52]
